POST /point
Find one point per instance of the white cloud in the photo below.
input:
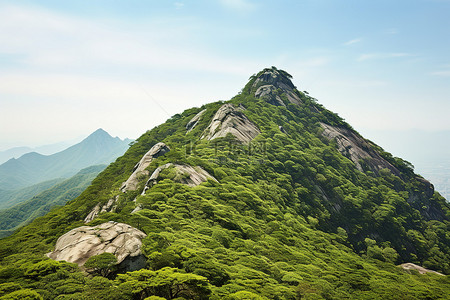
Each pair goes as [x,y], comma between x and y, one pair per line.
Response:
[351,42]
[371,56]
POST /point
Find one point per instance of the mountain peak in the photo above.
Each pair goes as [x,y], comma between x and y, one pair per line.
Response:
[99,135]
[274,77]
[99,132]
[271,83]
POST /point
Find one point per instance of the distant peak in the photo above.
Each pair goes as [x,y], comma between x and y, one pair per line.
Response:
[99,133]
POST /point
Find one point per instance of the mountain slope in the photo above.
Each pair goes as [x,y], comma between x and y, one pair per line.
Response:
[32,168]
[58,194]
[15,152]
[10,198]
[297,205]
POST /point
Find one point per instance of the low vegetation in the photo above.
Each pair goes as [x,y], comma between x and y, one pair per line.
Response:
[289,218]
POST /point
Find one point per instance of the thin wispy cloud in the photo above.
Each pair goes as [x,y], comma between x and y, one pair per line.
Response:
[315,62]
[373,56]
[51,40]
[238,5]
[351,42]
[178,5]
[392,31]
[444,73]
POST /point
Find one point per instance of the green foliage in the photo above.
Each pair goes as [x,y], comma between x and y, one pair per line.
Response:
[23,213]
[290,218]
[6,288]
[168,283]
[25,294]
[103,264]
[244,295]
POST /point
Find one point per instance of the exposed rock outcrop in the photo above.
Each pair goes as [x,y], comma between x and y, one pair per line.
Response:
[122,240]
[132,183]
[185,174]
[269,94]
[107,207]
[421,270]
[357,149]
[229,119]
[266,85]
[193,122]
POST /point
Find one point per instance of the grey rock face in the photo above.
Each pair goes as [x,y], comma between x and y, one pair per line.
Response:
[356,148]
[122,240]
[268,93]
[193,122]
[109,206]
[229,119]
[421,270]
[132,183]
[185,174]
[271,80]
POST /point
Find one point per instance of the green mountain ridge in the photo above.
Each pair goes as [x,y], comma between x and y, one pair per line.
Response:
[13,197]
[57,194]
[300,207]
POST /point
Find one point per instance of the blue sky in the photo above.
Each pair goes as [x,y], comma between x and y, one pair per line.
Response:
[70,67]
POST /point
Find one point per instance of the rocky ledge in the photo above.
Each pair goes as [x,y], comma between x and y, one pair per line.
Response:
[140,169]
[421,270]
[185,174]
[357,149]
[229,119]
[122,240]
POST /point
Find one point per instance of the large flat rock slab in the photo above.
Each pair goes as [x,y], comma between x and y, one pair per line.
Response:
[79,244]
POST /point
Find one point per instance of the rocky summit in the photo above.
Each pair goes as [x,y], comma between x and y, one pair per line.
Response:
[266,196]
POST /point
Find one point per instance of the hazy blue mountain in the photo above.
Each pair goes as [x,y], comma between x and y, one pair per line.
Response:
[49,149]
[10,198]
[33,168]
[39,205]
[15,152]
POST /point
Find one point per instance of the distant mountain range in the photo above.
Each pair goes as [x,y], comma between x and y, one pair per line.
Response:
[36,206]
[31,185]
[32,168]
[49,149]
[10,198]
